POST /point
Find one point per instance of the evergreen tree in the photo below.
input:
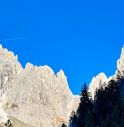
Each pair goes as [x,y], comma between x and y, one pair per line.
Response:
[73,120]
[84,116]
[63,125]
[108,105]
[107,109]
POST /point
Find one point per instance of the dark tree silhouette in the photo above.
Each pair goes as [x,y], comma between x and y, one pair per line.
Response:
[84,116]
[108,105]
[63,125]
[107,108]
[73,119]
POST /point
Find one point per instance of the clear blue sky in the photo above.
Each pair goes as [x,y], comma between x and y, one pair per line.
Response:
[82,37]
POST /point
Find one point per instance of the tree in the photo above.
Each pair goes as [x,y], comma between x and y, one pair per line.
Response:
[73,119]
[106,110]
[108,105]
[63,125]
[84,116]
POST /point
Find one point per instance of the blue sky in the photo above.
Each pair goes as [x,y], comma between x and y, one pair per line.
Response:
[81,37]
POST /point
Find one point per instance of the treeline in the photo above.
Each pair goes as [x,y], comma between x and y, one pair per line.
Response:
[105,110]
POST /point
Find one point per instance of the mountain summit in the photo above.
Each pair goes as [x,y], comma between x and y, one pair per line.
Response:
[102,79]
[34,95]
[120,64]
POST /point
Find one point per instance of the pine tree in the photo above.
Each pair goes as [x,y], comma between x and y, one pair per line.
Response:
[73,120]
[84,116]
[63,125]
[107,109]
[108,103]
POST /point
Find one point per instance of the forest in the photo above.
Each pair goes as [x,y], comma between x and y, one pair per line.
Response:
[105,110]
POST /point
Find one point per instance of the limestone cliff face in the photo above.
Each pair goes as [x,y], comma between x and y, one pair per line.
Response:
[40,96]
[34,95]
[101,79]
[120,64]
[96,83]
[10,68]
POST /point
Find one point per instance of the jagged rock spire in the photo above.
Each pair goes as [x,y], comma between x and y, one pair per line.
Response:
[34,94]
[120,64]
[96,82]
[102,78]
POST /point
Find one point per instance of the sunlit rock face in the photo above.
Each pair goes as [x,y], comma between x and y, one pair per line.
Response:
[120,64]
[10,68]
[40,96]
[34,95]
[96,83]
[102,80]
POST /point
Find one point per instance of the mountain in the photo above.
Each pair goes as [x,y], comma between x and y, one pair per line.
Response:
[34,95]
[102,80]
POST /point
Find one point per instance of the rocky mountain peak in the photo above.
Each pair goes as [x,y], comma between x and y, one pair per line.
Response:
[101,79]
[34,94]
[62,78]
[120,63]
[7,56]
[29,66]
[96,82]
[9,67]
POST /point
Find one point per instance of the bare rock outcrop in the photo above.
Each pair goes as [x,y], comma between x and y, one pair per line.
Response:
[34,95]
[102,80]
[10,68]
[96,82]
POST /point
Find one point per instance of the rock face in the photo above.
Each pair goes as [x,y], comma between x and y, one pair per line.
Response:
[34,95]
[120,64]
[9,70]
[39,96]
[96,83]
[102,79]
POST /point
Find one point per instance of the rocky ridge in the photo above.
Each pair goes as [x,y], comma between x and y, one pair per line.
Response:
[102,79]
[34,95]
